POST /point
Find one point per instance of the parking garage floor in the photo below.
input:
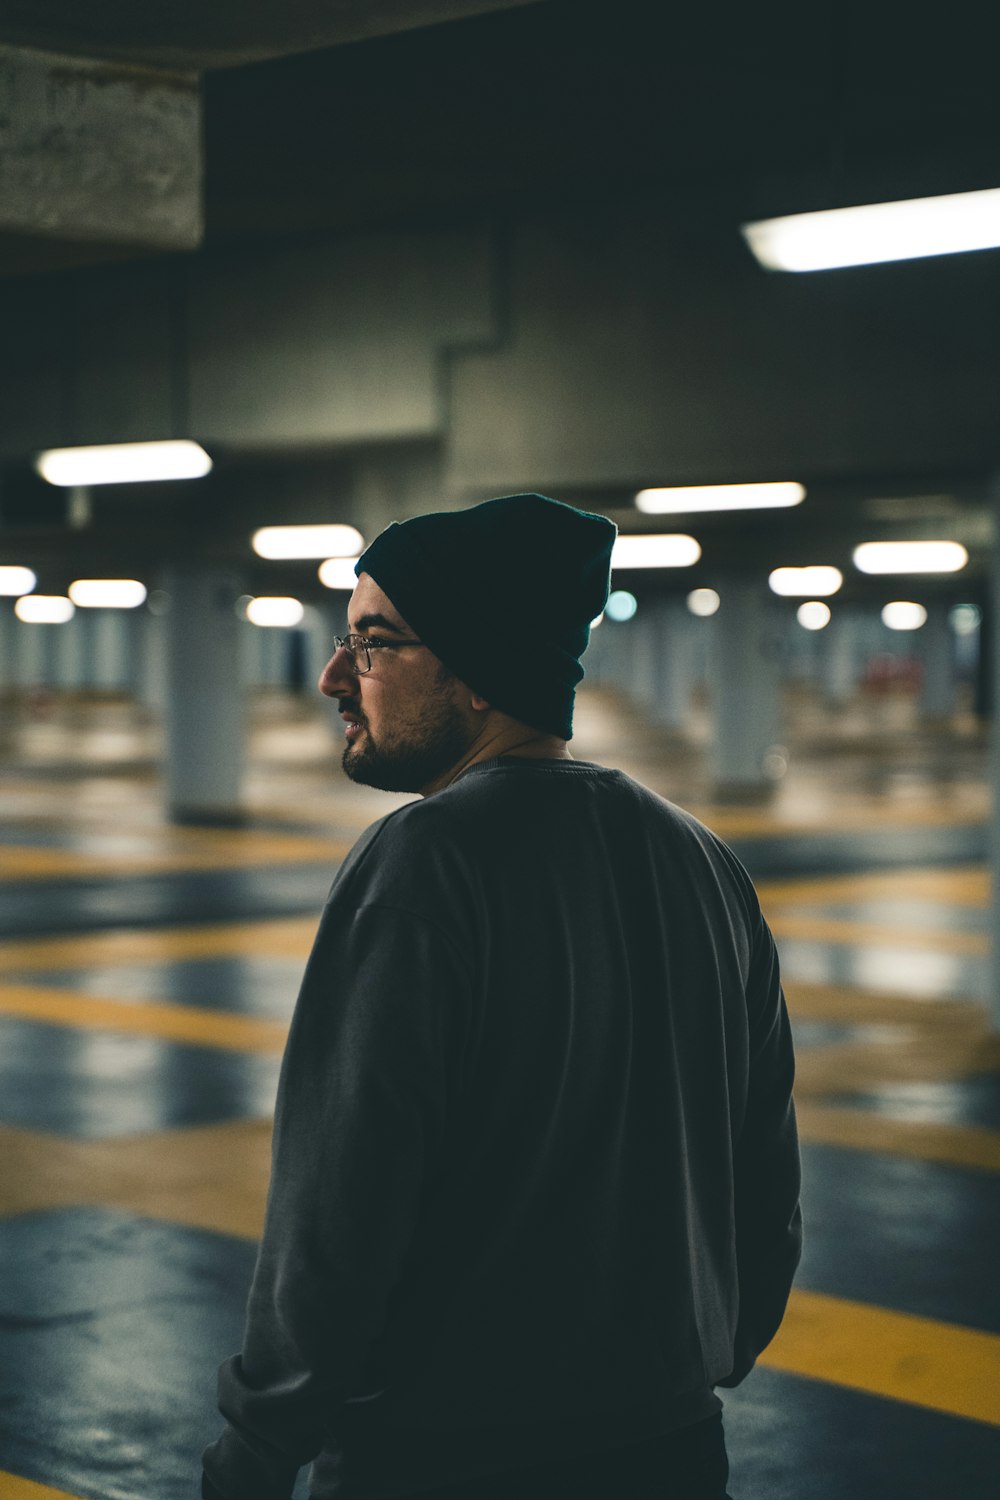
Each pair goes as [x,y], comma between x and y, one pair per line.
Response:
[148,976]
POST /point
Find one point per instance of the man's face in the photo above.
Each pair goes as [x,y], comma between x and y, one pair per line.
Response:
[408,720]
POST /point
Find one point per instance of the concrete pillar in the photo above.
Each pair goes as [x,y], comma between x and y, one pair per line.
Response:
[99,151]
[675,664]
[842,661]
[937,643]
[645,630]
[205,701]
[109,638]
[745,678]
[990,655]
[30,653]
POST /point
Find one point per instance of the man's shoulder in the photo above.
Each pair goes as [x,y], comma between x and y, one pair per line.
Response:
[403,852]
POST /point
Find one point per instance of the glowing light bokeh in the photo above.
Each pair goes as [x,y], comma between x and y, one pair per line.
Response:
[123,463]
[903,614]
[813,615]
[621,605]
[107,593]
[307,541]
[870,233]
[275,610]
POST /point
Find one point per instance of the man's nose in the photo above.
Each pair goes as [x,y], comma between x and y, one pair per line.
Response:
[339,675]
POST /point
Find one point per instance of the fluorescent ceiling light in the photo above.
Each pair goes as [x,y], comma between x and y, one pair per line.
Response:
[667,551]
[17,581]
[44,609]
[274,610]
[703,602]
[875,232]
[338,573]
[123,463]
[308,541]
[814,615]
[805,583]
[107,593]
[910,557]
[687,499]
[904,615]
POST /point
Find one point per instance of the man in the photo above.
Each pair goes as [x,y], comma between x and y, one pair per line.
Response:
[535,1179]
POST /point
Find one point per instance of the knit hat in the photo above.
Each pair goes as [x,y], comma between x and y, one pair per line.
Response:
[503,593]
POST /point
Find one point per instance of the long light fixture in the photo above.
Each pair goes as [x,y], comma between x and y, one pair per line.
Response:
[44,609]
[275,610]
[805,583]
[687,499]
[666,551]
[910,557]
[107,593]
[871,233]
[338,573]
[307,541]
[123,463]
[16,581]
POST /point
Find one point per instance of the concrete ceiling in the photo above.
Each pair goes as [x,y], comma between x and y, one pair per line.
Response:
[710,117]
[193,36]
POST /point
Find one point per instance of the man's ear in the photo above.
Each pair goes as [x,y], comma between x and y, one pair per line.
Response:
[480,703]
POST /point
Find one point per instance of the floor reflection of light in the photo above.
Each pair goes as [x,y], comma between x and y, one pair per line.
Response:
[925,975]
[920,975]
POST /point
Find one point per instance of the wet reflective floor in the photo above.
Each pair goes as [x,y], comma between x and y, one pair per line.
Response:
[148,974]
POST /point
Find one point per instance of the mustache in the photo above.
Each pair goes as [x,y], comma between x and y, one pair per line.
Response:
[351,706]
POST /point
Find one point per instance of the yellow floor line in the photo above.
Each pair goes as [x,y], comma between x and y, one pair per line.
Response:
[853,1005]
[940,1366]
[280,937]
[206,1177]
[175,1023]
[12,1487]
[742,822]
[920,1140]
[28,862]
[875,934]
[955,886]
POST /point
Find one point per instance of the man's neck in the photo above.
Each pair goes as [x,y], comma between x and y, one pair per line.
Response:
[507,738]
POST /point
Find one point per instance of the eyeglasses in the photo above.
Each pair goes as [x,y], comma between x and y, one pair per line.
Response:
[361,647]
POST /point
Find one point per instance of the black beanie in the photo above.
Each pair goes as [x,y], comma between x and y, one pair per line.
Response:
[503,593]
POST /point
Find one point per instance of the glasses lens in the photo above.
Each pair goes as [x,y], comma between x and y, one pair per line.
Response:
[356,645]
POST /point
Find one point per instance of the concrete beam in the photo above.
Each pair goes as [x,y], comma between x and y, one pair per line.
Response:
[99,152]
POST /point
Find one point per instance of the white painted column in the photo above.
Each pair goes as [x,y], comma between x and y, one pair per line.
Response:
[674,664]
[989,646]
[205,700]
[842,658]
[644,630]
[744,683]
[937,642]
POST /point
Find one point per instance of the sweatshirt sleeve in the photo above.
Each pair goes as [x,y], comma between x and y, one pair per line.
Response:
[368,1072]
[767,1170]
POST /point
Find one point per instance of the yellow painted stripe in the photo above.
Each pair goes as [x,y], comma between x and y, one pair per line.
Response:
[872,934]
[12,1487]
[955,886]
[920,1140]
[920,1361]
[280,937]
[30,862]
[175,1023]
[844,817]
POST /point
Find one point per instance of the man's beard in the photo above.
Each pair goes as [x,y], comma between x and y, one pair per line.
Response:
[431,747]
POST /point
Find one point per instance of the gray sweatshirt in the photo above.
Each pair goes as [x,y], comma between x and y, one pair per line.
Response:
[535,1179]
